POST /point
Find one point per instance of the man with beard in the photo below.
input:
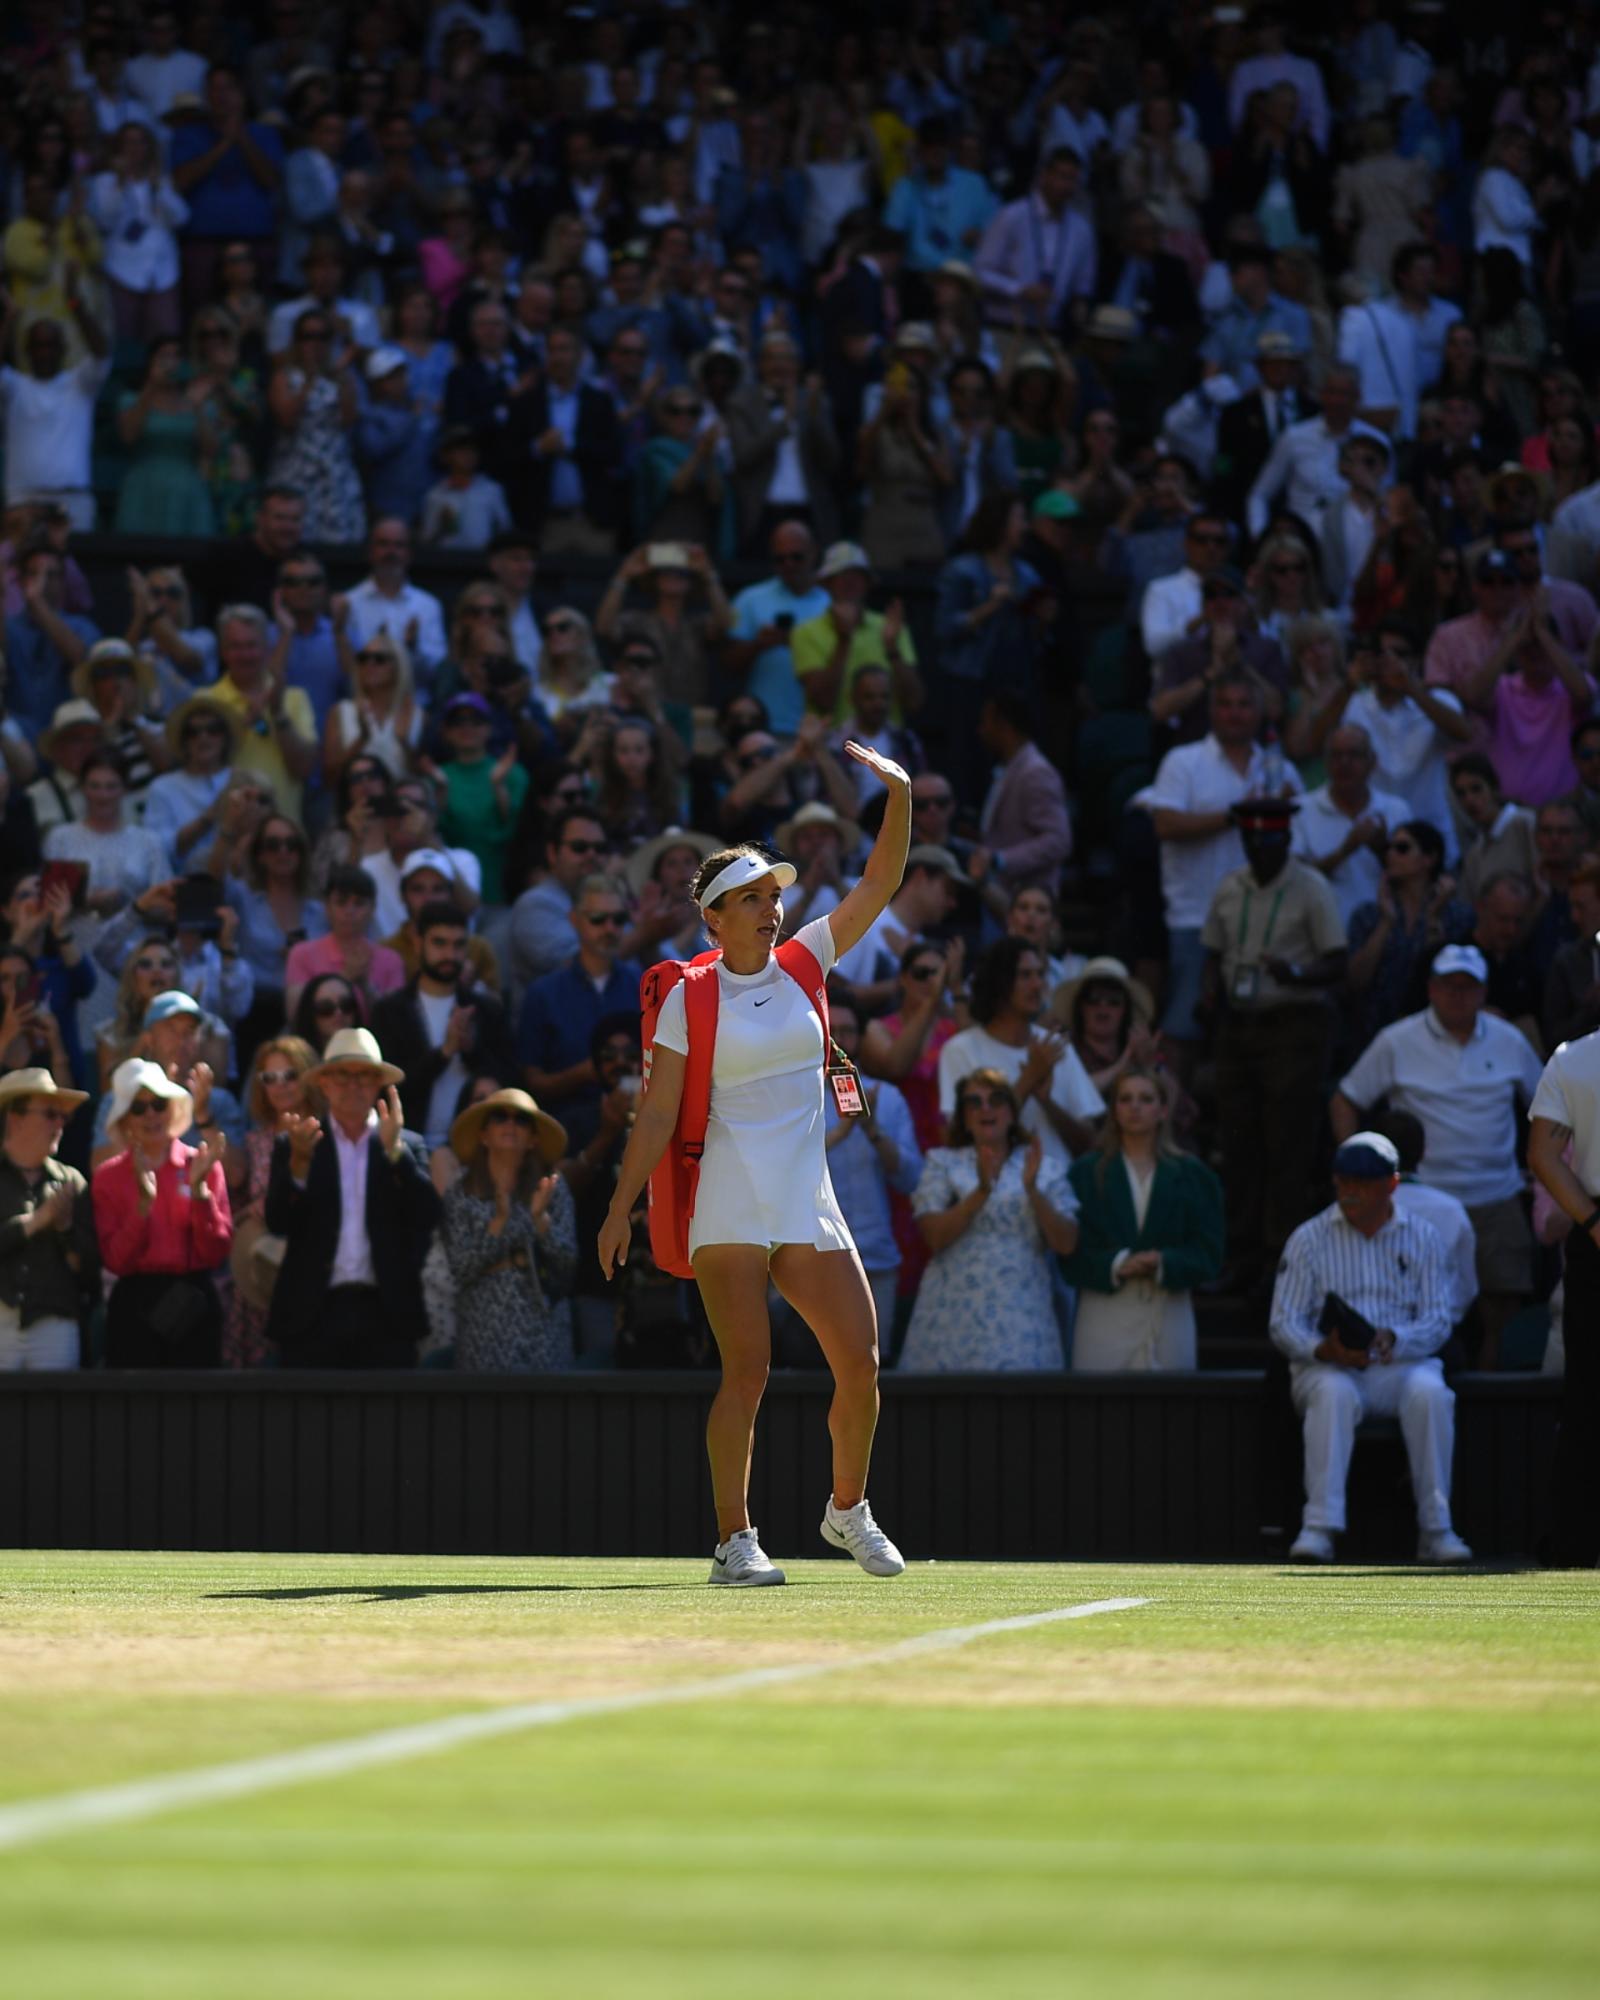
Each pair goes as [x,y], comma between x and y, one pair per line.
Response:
[442,1028]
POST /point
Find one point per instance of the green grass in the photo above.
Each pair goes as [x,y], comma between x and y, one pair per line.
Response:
[1265,1782]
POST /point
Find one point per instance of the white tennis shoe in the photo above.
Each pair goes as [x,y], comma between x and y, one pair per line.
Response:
[742,1561]
[854,1530]
[1441,1545]
[1311,1545]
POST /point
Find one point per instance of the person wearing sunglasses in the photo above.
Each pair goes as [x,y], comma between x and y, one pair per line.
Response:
[49,1253]
[1415,911]
[542,933]
[278,1091]
[561,1009]
[328,1004]
[993,1210]
[1171,609]
[388,601]
[510,1233]
[350,1193]
[165,1225]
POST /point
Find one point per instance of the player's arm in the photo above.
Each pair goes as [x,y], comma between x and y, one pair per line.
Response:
[886,864]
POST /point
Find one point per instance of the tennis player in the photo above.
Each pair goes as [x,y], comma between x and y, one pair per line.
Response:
[765,1206]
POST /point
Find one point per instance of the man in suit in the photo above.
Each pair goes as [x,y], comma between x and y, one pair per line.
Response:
[442,1028]
[1249,428]
[859,316]
[481,392]
[357,1207]
[1026,832]
[1148,281]
[564,462]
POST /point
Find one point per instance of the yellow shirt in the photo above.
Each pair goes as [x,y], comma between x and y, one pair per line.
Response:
[811,648]
[258,742]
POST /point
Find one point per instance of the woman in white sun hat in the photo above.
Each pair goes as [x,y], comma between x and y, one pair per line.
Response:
[165,1226]
[765,1208]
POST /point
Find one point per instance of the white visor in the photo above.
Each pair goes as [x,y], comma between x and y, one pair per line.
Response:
[748,868]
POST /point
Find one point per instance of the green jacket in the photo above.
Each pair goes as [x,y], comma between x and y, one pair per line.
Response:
[56,1273]
[1183,1220]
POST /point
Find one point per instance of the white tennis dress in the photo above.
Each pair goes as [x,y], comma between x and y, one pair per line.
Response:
[764,1176]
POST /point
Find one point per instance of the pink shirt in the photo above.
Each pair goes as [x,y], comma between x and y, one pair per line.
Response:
[385,974]
[1530,727]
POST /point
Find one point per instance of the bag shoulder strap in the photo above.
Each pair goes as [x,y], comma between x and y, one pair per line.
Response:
[701,995]
[803,966]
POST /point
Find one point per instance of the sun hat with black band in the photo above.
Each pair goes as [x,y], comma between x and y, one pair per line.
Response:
[741,872]
[355,1048]
[1366,1156]
[38,1083]
[115,657]
[549,1136]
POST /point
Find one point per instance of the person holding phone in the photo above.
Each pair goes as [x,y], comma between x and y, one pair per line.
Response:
[1362,1308]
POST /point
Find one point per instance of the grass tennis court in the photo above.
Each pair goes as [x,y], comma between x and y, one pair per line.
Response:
[1262,1781]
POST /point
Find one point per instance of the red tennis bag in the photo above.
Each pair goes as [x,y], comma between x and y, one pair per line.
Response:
[676,1179]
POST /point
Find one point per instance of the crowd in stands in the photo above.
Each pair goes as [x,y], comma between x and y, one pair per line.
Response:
[1168,431]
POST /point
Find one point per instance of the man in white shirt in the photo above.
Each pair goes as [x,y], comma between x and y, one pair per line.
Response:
[413,830]
[1058,1101]
[355,325]
[1172,609]
[50,418]
[1574,541]
[1462,1071]
[1360,1310]
[1038,254]
[1343,827]
[926,898]
[1272,64]
[1412,728]
[165,70]
[1303,465]
[1566,1113]
[1190,801]
[389,602]
[1397,343]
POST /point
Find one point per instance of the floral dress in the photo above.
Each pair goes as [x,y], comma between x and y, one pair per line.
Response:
[244,1326]
[984,1302]
[511,1309]
[315,457]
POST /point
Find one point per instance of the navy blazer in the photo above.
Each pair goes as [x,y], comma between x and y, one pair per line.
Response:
[402,1212]
[1183,1220]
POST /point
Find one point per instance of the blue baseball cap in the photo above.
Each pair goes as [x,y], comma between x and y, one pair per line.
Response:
[165,1005]
[1366,1156]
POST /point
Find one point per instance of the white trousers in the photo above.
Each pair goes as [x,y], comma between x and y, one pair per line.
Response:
[46,1343]
[1332,1401]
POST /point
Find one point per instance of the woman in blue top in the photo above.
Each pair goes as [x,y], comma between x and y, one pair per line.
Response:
[275,908]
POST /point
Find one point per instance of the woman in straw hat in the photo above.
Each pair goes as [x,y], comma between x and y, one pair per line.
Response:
[765,1211]
[49,1258]
[510,1232]
[161,1209]
[1107,1015]
[180,807]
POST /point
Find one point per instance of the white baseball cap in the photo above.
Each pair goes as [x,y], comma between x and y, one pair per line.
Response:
[384,361]
[1461,958]
[429,857]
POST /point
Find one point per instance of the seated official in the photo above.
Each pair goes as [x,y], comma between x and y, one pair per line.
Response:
[49,1257]
[357,1207]
[1385,1270]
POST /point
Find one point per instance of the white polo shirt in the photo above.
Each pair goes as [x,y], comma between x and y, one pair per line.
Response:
[1569,1095]
[1465,1094]
[1196,778]
[1412,754]
[1320,826]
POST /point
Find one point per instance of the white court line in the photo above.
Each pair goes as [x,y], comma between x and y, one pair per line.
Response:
[115,1805]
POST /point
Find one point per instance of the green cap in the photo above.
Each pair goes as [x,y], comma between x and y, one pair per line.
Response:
[1054,505]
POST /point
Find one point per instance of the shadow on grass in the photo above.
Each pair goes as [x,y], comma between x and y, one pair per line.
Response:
[400,1593]
[1370,1572]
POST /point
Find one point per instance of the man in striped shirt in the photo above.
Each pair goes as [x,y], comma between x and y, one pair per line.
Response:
[1388,1267]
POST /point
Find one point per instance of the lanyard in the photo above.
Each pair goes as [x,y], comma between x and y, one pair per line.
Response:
[1054,275]
[1272,918]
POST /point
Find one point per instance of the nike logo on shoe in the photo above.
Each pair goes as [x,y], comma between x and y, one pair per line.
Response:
[762,1003]
[720,1561]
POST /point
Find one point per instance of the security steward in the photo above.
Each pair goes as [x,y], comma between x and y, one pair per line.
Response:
[1275,950]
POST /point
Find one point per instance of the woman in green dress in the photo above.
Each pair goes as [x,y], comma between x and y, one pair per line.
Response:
[167,435]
